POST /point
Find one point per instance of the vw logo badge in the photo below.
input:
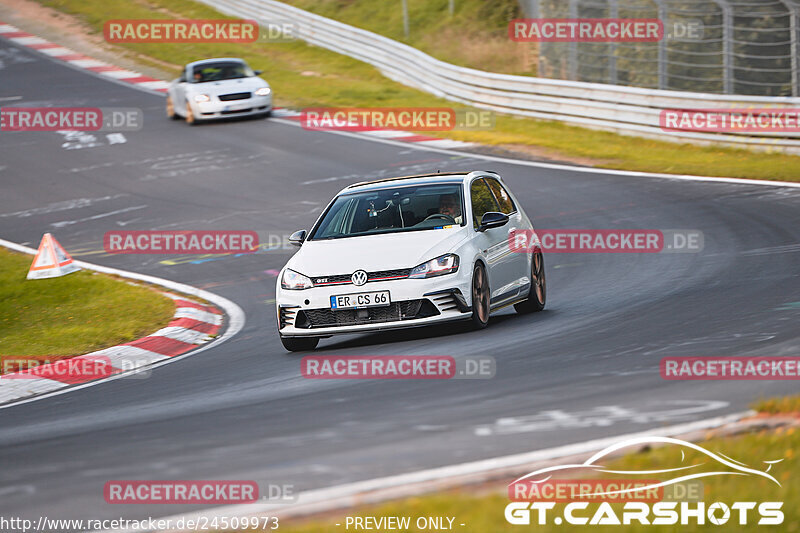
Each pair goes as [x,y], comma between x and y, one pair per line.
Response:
[359,277]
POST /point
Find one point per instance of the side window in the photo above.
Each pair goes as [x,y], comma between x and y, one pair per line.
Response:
[482,201]
[506,203]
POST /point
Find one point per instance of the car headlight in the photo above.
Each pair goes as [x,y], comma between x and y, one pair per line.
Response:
[295,281]
[445,264]
[263,91]
[202,98]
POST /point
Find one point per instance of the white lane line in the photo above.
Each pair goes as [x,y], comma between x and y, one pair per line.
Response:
[8,28]
[13,388]
[119,74]
[198,314]
[445,143]
[556,166]
[87,63]
[192,336]
[236,319]
[122,356]
[95,217]
[154,84]
[27,41]
[434,479]
[55,52]
[388,134]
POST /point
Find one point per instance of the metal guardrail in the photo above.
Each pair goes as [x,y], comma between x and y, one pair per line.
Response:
[626,110]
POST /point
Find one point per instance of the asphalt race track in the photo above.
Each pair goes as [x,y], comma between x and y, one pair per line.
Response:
[585,368]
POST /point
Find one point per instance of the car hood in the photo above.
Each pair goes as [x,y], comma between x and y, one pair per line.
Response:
[374,252]
[227,86]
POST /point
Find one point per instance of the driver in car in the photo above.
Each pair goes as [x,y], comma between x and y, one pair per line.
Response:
[448,205]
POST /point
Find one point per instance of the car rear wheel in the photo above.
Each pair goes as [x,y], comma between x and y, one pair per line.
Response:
[538,295]
[300,344]
[171,114]
[480,297]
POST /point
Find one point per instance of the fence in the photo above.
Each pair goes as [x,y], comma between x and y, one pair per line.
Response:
[627,110]
[714,46]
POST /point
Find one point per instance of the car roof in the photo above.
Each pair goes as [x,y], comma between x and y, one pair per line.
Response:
[419,179]
[214,60]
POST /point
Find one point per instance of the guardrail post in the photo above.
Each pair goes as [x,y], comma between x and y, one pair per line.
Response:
[613,12]
[572,56]
[405,18]
[794,46]
[727,45]
[663,80]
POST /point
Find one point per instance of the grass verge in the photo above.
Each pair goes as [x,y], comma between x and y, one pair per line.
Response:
[485,512]
[305,76]
[74,314]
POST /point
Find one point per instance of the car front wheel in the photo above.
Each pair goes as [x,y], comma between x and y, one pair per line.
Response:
[538,295]
[480,297]
[190,120]
[171,114]
[300,344]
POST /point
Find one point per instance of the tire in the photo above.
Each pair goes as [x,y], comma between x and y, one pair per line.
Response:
[171,114]
[300,344]
[538,294]
[480,297]
[190,120]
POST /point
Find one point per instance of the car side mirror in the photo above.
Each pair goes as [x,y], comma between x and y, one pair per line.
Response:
[297,237]
[258,72]
[492,219]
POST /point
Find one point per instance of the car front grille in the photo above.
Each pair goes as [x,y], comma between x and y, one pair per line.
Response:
[381,275]
[234,96]
[397,311]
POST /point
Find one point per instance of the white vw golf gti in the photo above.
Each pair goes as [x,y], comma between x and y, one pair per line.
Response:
[406,252]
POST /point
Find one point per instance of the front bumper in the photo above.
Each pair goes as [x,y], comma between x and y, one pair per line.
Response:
[415,302]
[255,105]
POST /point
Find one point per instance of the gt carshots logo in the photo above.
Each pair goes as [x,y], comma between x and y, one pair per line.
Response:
[638,507]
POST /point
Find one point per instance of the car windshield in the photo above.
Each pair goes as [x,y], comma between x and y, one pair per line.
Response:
[221,70]
[392,210]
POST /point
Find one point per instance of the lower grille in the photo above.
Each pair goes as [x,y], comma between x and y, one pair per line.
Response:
[397,311]
[234,96]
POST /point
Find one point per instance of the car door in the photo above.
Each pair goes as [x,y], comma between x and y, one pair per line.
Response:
[517,264]
[493,243]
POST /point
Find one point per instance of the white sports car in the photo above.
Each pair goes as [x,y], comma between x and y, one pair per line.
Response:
[406,252]
[218,88]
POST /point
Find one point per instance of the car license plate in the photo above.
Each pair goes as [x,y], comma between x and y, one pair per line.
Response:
[360,299]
